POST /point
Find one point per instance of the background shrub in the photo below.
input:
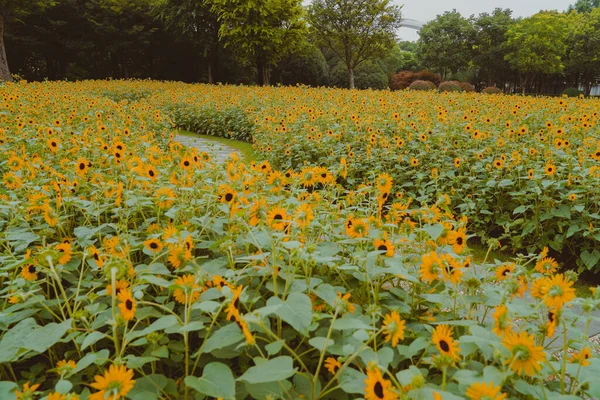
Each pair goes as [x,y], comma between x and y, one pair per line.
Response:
[450,86]
[422,85]
[491,90]
[572,92]
[404,79]
[466,87]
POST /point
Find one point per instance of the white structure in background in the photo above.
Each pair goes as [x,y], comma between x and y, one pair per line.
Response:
[412,23]
[594,92]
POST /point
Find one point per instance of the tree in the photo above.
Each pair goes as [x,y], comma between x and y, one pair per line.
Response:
[536,45]
[260,31]
[355,30]
[488,44]
[197,21]
[584,5]
[444,43]
[14,9]
[582,59]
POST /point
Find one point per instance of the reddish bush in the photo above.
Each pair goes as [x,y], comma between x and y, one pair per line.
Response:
[404,79]
[426,75]
[466,87]
[491,90]
[422,85]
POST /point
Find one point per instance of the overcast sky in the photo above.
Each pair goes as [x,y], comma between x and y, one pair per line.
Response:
[426,10]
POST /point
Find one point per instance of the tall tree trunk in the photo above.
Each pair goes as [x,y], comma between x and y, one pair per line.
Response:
[350,78]
[4,71]
[265,78]
[260,74]
[211,79]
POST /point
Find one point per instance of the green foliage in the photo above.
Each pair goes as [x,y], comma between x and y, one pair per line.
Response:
[489,44]
[584,6]
[444,43]
[260,31]
[537,45]
[572,92]
[356,31]
[583,47]
[368,75]
[130,261]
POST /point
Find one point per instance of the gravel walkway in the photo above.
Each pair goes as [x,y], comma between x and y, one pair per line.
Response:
[219,151]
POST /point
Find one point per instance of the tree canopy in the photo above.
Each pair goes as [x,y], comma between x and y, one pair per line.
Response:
[355,30]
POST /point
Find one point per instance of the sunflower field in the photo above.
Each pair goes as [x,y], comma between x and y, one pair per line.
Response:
[336,267]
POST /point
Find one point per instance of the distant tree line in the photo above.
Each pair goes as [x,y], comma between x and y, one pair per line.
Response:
[343,43]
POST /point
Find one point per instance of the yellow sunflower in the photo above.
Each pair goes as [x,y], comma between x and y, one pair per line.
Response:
[114,384]
[430,267]
[582,357]
[376,387]
[29,272]
[442,338]
[384,245]
[188,289]
[558,291]
[393,327]
[332,365]
[154,245]
[484,391]
[502,323]
[277,218]
[546,265]
[525,356]
[127,304]
[504,271]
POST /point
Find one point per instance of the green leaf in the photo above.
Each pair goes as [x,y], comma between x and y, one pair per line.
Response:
[91,338]
[225,336]
[406,377]
[148,387]
[216,381]
[7,390]
[319,342]
[14,339]
[138,362]
[276,369]
[346,323]
[162,323]
[63,386]
[42,339]
[520,209]
[434,230]
[352,381]
[590,259]
[296,310]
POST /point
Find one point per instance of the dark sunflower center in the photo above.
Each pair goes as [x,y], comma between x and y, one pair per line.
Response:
[151,173]
[236,302]
[459,241]
[323,175]
[444,346]
[505,272]
[53,144]
[129,305]
[378,389]
[186,163]
[229,197]
[96,256]
[382,247]
[81,166]
[551,316]
[31,269]
[278,216]
[154,245]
